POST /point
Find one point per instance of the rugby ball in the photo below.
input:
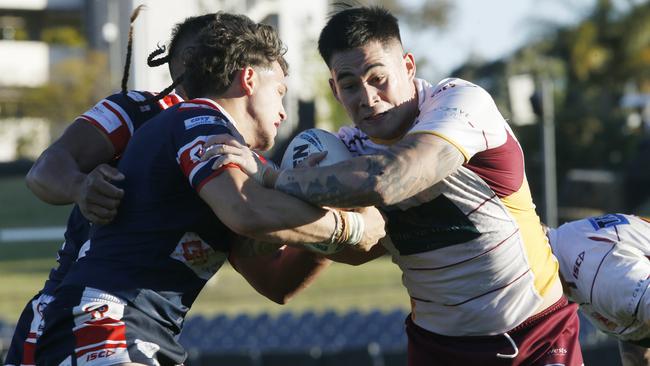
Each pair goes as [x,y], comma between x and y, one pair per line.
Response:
[310,142]
[313,141]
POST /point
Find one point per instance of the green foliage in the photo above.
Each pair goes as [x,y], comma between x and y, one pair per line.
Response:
[20,34]
[335,115]
[75,84]
[590,64]
[64,36]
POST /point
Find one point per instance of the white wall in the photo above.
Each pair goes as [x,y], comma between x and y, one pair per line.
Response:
[34,131]
[40,4]
[24,63]
[153,27]
[300,23]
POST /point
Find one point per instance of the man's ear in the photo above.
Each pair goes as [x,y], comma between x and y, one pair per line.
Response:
[333,87]
[247,80]
[409,62]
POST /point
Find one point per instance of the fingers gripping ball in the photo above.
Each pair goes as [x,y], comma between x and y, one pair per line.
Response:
[313,141]
[310,142]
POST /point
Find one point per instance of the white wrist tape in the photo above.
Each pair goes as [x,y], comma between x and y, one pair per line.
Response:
[356,228]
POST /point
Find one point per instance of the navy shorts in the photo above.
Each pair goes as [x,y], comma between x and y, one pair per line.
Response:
[28,329]
[86,326]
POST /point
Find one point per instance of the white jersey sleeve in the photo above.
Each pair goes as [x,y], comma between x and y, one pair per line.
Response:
[119,115]
[462,113]
[604,262]
[357,142]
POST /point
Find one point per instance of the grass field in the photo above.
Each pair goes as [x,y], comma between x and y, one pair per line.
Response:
[19,207]
[375,285]
[25,266]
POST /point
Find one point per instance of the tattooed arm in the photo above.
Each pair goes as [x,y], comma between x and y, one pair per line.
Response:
[633,355]
[268,215]
[414,164]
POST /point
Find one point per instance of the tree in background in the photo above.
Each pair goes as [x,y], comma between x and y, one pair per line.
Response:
[592,65]
[74,86]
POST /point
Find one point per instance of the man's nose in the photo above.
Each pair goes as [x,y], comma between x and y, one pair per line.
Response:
[369,96]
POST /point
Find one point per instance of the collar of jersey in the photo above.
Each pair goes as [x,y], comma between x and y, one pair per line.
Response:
[215,105]
[385,142]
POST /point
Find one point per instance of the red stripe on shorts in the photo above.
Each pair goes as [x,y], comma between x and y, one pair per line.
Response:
[91,334]
[28,354]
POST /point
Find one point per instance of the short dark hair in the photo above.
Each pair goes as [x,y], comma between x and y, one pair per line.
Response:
[355,27]
[226,45]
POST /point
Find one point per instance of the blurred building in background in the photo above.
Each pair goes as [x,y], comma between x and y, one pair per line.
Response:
[37,37]
[30,31]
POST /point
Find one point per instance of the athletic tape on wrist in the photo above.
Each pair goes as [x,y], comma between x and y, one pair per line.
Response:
[356,228]
[338,228]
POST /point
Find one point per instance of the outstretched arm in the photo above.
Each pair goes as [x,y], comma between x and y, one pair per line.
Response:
[277,273]
[405,169]
[72,170]
[271,216]
[356,258]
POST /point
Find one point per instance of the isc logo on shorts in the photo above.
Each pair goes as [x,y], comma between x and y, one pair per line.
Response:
[99,354]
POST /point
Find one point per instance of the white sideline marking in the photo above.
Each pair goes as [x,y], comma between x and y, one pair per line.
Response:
[22,234]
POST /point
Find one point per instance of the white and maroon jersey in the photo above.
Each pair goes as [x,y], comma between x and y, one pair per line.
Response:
[474,257]
[605,267]
[119,115]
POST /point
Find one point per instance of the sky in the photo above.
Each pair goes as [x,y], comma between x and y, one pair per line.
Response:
[488,29]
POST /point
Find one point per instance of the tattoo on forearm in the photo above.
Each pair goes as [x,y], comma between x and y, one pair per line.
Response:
[386,178]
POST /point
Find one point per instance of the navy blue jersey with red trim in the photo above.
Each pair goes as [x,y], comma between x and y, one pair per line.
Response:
[118,116]
[165,240]
[76,233]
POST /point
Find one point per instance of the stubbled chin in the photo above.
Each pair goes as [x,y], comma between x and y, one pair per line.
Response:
[376,131]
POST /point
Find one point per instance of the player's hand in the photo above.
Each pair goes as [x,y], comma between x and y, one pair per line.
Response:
[97,197]
[231,151]
[312,160]
[374,228]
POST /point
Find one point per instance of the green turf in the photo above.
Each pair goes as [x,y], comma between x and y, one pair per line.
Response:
[25,266]
[375,285]
[23,270]
[20,208]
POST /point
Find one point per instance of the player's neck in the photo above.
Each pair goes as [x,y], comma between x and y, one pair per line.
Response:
[236,108]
